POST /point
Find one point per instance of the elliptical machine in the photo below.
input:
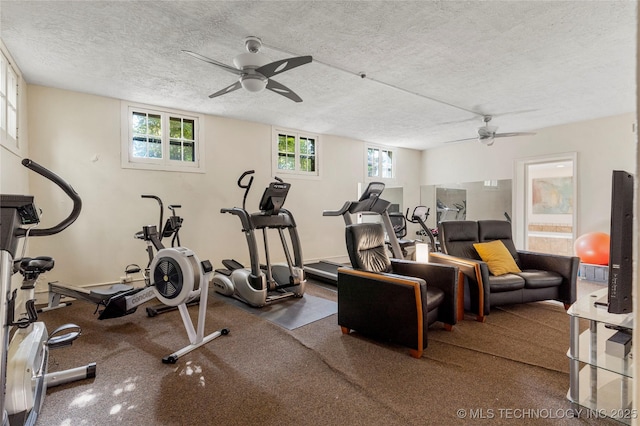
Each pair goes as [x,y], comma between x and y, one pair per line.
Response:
[24,361]
[263,284]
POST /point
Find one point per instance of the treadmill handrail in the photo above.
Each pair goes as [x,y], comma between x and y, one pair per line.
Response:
[340,212]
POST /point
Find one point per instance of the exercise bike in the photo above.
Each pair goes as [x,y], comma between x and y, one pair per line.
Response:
[127,302]
[419,216]
[24,370]
[176,277]
[119,299]
[263,284]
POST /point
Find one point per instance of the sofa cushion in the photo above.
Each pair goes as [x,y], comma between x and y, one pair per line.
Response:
[458,237]
[497,257]
[540,279]
[490,230]
[506,282]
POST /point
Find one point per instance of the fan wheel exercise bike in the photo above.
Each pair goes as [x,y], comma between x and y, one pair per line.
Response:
[176,277]
[263,284]
[24,370]
[119,299]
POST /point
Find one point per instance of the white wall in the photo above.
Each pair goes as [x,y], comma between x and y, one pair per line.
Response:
[78,137]
[68,131]
[602,145]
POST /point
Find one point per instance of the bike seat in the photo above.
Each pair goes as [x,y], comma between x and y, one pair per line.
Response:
[36,265]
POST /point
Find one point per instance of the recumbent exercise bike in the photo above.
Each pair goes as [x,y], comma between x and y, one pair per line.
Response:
[25,377]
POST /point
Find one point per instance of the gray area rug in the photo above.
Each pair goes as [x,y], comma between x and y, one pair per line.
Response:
[289,313]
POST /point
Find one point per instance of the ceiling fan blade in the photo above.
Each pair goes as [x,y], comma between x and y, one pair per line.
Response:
[234,86]
[508,135]
[214,62]
[277,67]
[280,89]
[462,140]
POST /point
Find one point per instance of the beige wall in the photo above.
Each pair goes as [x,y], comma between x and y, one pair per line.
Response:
[602,145]
[78,136]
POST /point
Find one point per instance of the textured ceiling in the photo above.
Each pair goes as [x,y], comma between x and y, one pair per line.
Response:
[432,67]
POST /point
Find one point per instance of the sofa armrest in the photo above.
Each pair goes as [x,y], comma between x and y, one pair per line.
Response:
[443,277]
[566,266]
[476,273]
[384,306]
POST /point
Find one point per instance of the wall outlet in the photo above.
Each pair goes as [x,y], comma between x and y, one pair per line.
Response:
[126,279]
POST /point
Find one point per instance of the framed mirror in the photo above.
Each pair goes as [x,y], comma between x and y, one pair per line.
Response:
[491,199]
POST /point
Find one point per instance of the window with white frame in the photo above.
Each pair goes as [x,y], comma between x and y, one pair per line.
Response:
[8,103]
[380,162]
[295,152]
[161,139]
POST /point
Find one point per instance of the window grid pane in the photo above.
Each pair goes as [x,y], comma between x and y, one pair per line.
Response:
[3,75]
[387,164]
[181,144]
[373,156]
[286,152]
[307,154]
[147,135]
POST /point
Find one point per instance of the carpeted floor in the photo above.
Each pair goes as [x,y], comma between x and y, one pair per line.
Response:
[290,313]
[511,366]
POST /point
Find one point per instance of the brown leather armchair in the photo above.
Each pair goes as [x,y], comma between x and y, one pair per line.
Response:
[389,299]
[544,276]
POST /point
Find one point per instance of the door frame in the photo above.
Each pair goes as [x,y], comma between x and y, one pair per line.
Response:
[520,199]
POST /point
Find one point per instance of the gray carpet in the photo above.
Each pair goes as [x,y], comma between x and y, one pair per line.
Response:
[262,373]
[289,313]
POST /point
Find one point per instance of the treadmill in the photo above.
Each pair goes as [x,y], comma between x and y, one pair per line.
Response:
[369,202]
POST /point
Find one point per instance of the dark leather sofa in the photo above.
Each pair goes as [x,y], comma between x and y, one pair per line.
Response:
[543,277]
[392,300]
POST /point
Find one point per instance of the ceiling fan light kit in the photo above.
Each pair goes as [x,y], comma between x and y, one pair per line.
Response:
[254,70]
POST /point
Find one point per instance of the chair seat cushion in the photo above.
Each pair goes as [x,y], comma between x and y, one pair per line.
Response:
[540,279]
[506,282]
[435,297]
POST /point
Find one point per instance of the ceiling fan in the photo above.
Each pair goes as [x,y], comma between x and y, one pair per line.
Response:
[487,133]
[254,70]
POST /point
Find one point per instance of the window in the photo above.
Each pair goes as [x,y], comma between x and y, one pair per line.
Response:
[295,153]
[380,162]
[161,139]
[8,103]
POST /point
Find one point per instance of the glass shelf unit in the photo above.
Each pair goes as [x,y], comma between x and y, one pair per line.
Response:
[598,380]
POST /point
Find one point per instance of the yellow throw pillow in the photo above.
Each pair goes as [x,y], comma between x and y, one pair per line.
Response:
[497,257]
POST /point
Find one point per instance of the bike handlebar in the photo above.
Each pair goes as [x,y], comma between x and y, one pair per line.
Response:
[155,197]
[248,172]
[68,189]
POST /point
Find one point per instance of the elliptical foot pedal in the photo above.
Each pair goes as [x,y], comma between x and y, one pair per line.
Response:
[232,265]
